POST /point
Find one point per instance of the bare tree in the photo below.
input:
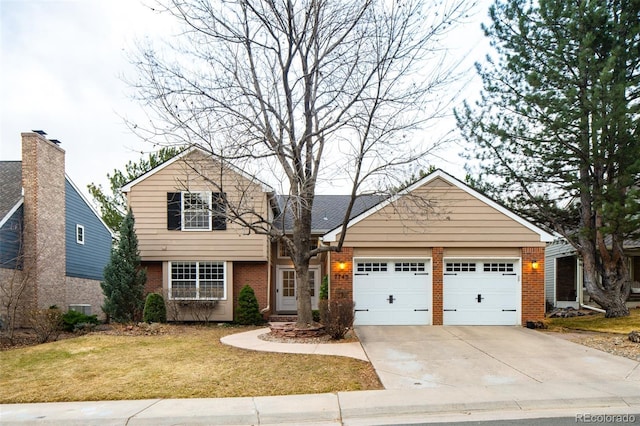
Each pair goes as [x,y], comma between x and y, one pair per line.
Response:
[16,294]
[309,90]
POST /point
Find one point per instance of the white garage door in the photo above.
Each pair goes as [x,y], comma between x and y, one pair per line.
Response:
[481,292]
[392,292]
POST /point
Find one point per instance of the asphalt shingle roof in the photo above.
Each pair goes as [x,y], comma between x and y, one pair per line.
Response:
[328,210]
[11,187]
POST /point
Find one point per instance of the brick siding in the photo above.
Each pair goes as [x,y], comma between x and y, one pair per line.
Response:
[533,304]
[254,274]
[44,219]
[84,291]
[341,286]
[154,277]
[437,283]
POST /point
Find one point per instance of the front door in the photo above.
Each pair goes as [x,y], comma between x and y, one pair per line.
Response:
[286,289]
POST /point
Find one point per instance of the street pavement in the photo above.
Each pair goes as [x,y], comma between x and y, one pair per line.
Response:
[516,386]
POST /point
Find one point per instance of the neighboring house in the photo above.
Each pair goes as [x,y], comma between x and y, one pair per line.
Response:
[53,244]
[564,285]
[437,253]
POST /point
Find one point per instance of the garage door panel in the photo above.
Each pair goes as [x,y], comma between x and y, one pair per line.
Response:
[392,296]
[481,292]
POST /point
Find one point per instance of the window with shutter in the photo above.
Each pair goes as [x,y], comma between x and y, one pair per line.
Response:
[199,211]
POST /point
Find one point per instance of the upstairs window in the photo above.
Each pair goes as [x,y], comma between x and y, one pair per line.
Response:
[196,211]
[80,234]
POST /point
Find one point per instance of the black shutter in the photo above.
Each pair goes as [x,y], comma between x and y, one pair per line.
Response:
[174,207]
[219,211]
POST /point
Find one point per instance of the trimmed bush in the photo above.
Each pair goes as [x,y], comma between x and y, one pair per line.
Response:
[154,309]
[74,321]
[337,316]
[248,312]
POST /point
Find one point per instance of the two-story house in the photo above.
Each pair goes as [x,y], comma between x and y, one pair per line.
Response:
[53,244]
[438,252]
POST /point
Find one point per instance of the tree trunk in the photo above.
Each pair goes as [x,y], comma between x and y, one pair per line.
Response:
[609,288]
[305,314]
[301,242]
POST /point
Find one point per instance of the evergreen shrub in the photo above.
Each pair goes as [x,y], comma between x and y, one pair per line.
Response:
[248,312]
[154,309]
[74,320]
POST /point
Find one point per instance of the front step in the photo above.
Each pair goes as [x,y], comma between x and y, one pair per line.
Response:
[283,318]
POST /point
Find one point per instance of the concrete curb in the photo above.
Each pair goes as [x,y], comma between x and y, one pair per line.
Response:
[363,407]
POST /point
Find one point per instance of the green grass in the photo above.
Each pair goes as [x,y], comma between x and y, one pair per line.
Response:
[597,323]
[190,362]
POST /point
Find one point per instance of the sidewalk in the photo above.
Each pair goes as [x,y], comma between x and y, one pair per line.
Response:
[343,408]
[444,403]
[250,340]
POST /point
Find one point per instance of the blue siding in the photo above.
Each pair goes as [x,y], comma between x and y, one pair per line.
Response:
[89,259]
[11,241]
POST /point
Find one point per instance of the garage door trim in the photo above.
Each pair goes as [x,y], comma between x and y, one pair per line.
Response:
[427,274]
[479,260]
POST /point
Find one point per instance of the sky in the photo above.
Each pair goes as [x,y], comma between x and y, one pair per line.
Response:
[62,70]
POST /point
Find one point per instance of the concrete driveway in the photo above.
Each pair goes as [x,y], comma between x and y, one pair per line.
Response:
[421,357]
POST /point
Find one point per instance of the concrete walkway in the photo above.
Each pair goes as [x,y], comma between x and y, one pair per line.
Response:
[471,402]
[250,340]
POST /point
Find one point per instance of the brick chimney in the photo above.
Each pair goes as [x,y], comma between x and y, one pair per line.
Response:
[43,182]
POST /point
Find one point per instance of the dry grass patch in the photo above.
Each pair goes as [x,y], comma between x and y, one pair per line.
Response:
[597,322]
[186,362]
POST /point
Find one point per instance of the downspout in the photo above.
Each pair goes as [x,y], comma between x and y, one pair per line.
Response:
[593,308]
[269,266]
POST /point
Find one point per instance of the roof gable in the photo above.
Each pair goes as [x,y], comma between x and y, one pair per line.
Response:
[440,178]
[182,156]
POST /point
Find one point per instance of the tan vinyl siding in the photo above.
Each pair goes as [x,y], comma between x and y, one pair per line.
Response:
[482,252]
[148,199]
[387,252]
[439,214]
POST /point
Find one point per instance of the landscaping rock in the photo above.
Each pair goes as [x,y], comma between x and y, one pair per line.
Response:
[566,313]
[634,336]
[289,330]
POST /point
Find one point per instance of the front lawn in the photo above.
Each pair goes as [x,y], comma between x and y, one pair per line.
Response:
[182,362]
[598,322]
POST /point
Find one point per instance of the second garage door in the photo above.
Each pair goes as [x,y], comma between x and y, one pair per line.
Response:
[481,292]
[392,292]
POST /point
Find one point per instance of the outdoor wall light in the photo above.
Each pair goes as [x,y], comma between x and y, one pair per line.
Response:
[342,265]
[535,264]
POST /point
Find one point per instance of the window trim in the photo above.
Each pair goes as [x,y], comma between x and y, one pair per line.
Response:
[197,265]
[80,234]
[216,210]
[183,222]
